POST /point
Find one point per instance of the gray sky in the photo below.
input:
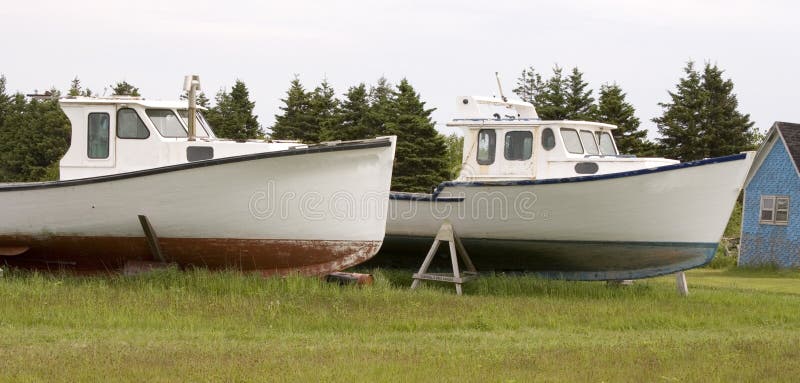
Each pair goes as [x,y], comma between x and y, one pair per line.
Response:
[445,48]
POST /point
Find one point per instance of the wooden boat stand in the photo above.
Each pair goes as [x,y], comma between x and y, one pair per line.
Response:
[160,261]
[447,234]
[152,239]
[680,283]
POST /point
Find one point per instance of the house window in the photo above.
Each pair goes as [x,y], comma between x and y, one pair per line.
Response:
[486,146]
[519,146]
[774,210]
[99,124]
[129,125]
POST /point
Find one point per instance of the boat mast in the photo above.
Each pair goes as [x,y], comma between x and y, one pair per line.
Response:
[502,96]
[191,84]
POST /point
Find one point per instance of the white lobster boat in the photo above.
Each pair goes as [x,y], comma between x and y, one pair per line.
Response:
[556,197]
[275,207]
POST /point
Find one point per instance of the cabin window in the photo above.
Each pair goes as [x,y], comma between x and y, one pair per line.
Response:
[166,122]
[607,147]
[129,125]
[587,138]
[99,124]
[519,146]
[486,146]
[571,141]
[199,127]
[774,210]
[548,139]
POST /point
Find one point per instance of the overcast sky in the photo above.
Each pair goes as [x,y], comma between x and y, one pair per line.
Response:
[445,48]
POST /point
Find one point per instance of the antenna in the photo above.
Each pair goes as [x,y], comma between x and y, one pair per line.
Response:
[497,76]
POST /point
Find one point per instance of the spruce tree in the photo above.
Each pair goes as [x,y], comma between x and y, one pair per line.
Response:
[324,108]
[5,138]
[455,153]
[421,157]
[124,89]
[232,116]
[382,107]
[613,109]
[702,119]
[529,86]
[579,100]
[552,103]
[74,87]
[728,131]
[5,100]
[34,136]
[297,121]
[351,116]
[200,99]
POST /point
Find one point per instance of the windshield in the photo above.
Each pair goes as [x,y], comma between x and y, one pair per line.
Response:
[587,138]
[606,144]
[201,126]
[166,122]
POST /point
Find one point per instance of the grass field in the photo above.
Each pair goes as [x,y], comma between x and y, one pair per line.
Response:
[203,326]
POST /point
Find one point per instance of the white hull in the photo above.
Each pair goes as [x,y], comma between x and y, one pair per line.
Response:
[255,211]
[671,207]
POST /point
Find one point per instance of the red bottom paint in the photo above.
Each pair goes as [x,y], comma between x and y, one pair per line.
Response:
[268,256]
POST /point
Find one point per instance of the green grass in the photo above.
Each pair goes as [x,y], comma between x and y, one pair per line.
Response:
[202,326]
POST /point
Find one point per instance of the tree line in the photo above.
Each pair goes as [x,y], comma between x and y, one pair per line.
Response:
[700,119]
[383,109]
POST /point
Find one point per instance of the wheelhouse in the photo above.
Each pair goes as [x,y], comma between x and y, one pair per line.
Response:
[505,140]
[122,134]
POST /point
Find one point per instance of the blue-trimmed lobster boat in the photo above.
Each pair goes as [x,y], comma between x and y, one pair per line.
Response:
[556,198]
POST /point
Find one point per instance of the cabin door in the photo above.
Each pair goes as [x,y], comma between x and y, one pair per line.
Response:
[100,137]
[518,154]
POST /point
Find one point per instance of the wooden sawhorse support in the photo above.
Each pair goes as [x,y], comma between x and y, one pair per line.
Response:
[680,284]
[447,234]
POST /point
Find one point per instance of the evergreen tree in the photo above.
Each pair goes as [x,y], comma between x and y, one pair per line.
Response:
[75,88]
[324,108]
[552,103]
[5,100]
[702,119]
[421,157]
[232,116]
[351,116]
[455,153]
[297,121]
[613,109]
[200,99]
[124,89]
[382,108]
[34,135]
[727,130]
[579,100]
[529,86]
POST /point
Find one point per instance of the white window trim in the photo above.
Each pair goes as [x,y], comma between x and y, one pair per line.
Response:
[774,210]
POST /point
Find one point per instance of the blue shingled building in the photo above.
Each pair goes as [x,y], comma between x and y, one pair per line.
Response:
[771,214]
